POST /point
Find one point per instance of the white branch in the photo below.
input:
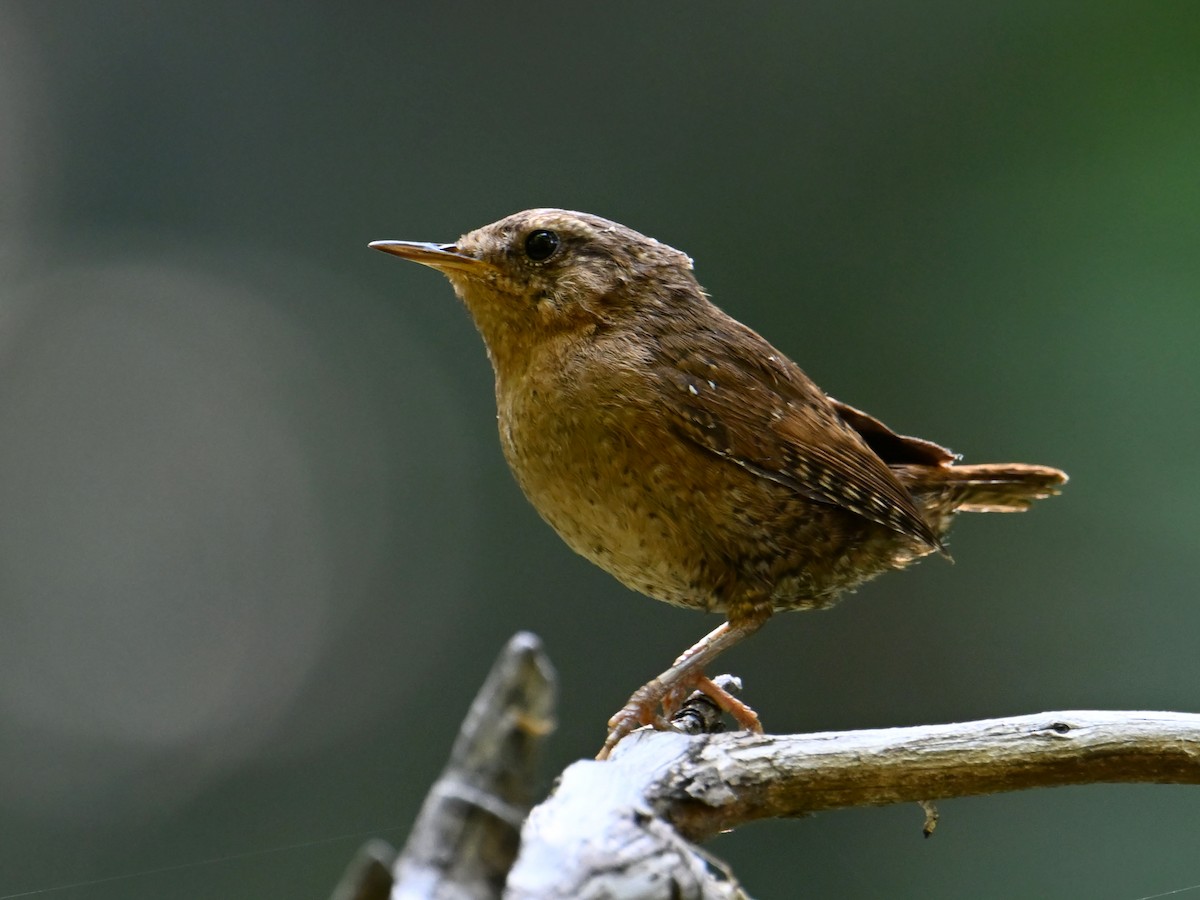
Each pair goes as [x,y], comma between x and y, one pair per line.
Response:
[623,828]
[618,828]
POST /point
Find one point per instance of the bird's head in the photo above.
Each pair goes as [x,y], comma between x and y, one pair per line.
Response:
[553,275]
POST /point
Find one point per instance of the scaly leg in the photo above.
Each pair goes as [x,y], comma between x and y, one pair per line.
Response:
[686,674]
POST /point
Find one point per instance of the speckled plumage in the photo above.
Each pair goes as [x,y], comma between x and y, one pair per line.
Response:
[676,448]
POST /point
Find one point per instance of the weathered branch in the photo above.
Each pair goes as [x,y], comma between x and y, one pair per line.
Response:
[619,828]
[726,780]
[466,836]
[623,827]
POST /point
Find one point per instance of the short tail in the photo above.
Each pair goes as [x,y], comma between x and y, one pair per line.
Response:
[992,487]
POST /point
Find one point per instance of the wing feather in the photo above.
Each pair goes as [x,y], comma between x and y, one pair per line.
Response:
[746,402]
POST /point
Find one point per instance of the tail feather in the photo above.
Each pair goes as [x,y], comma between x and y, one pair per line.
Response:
[942,488]
[991,487]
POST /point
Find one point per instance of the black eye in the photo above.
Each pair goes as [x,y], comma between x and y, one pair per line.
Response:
[541,244]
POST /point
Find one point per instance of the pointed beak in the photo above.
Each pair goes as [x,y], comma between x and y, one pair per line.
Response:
[443,257]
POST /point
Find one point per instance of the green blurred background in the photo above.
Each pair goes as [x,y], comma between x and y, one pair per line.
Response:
[258,546]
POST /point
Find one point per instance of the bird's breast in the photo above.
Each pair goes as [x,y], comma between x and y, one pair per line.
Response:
[602,470]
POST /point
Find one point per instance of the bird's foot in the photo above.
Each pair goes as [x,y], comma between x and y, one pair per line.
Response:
[654,704]
[740,712]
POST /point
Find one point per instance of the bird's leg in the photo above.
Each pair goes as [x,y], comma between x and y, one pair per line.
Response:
[686,674]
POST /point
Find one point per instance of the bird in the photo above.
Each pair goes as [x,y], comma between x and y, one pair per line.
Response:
[681,452]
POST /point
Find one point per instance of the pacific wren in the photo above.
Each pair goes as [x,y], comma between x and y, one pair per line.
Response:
[678,450]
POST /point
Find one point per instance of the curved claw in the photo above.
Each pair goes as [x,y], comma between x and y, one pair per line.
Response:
[641,709]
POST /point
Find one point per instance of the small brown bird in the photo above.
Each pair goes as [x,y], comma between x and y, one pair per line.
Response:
[679,451]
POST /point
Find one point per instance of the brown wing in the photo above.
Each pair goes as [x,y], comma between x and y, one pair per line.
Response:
[746,402]
[894,449]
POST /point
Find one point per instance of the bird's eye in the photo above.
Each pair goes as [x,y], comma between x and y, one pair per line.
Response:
[541,244]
